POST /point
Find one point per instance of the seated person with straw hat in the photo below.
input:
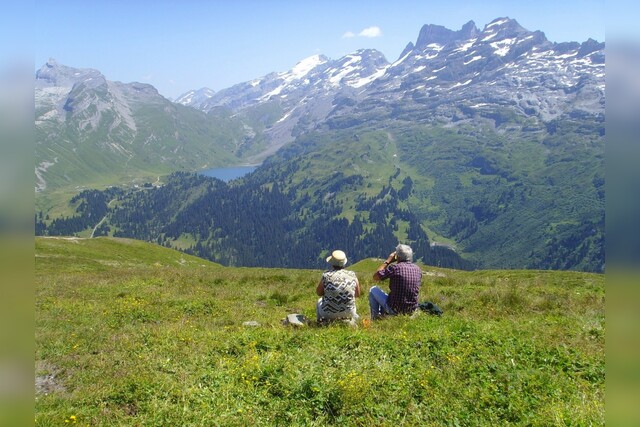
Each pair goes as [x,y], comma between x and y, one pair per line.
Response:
[338,289]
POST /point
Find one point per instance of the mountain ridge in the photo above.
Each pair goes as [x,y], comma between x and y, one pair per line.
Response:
[503,40]
[500,132]
[91,131]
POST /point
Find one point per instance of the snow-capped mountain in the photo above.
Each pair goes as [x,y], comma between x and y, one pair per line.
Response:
[502,65]
[195,98]
[446,75]
[306,91]
[311,76]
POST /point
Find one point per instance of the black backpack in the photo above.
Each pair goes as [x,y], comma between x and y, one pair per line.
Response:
[430,308]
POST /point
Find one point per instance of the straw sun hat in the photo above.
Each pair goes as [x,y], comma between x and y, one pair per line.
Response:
[337,258]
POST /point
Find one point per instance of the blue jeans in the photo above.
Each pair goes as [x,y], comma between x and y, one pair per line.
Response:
[378,303]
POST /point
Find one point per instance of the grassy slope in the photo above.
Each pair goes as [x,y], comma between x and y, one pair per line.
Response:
[129,333]
[169,137]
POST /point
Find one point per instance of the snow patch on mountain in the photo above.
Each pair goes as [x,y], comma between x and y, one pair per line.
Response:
[303,68]
[489,37]
[502,47]
[366,80]
[41,183]
[475,58]
[497,23]
[465,46]
[461,84]
[399,61]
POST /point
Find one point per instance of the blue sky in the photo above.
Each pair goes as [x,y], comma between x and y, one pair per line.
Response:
[182,45]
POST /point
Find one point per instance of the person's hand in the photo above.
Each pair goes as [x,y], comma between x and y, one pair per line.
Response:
[391,257]
[389,260]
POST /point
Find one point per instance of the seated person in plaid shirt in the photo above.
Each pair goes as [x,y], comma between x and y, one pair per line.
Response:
[404,285]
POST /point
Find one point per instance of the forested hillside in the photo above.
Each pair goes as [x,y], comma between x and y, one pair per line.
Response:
[504,198]
[248,224]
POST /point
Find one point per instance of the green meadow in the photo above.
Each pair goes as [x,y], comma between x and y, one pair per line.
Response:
[131,333]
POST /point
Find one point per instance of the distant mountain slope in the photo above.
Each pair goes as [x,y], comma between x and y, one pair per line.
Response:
[93,132]
[504,200]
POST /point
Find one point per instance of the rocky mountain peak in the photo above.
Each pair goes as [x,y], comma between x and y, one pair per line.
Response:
[54,74]
[438,34]
[469,31]
[589,47]
[505,28]
[408,48]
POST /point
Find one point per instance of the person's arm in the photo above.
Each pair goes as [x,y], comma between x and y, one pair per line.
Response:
[357,292]
[391,258]
[320,289]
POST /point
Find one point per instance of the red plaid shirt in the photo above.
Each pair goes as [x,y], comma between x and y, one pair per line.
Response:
[405,279]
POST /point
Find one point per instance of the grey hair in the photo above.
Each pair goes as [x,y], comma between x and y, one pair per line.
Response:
[404,253]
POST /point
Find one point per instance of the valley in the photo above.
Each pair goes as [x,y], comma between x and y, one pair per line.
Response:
[489,141]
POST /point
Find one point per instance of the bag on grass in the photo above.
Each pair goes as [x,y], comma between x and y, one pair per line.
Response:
[430,308]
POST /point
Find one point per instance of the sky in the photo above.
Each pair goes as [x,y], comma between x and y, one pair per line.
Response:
[181,45]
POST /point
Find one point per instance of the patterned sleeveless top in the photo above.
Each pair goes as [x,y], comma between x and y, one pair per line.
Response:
[339,300]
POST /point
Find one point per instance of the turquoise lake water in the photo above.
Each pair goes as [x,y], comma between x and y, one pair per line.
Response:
[227,174]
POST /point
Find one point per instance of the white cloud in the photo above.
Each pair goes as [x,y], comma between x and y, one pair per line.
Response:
[371,32]
[367,32]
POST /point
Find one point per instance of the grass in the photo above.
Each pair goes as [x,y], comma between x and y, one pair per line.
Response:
[129,333]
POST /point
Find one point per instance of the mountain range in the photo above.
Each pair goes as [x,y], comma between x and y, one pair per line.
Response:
[499,132]
[445,76]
